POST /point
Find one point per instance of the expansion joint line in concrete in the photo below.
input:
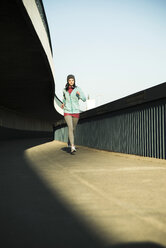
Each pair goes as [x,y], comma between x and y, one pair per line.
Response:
[128,208]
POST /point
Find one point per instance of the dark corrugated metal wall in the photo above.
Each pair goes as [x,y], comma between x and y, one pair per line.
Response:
[139,130]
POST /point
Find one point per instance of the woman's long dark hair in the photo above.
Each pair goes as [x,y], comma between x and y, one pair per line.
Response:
[67,85]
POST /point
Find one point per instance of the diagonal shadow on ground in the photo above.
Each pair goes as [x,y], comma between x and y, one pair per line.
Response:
[31,216]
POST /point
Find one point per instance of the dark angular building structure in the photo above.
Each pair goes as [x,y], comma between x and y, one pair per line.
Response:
[27,88]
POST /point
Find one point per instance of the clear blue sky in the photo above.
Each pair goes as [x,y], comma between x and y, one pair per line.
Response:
[113,47]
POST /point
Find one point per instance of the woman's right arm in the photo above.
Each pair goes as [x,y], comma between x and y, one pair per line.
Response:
[64,100]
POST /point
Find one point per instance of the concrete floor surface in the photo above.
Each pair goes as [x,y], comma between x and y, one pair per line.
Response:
[50,198]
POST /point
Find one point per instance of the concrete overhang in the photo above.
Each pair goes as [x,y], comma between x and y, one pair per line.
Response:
[27,77]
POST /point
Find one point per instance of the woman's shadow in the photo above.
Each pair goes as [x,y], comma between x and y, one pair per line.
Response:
[67,149]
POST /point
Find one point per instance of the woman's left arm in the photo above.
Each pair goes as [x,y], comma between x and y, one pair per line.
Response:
[81,95]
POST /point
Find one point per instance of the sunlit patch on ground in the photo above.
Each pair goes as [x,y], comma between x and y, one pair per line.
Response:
[121,198]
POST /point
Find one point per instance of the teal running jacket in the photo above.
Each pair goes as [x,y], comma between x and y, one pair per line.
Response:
[71,101]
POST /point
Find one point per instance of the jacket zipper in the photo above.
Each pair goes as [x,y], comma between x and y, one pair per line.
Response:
[71,103]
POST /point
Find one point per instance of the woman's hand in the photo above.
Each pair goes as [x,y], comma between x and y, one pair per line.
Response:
[78,93]
[62,106]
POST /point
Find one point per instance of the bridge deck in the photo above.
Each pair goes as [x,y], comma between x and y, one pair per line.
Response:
[50,198]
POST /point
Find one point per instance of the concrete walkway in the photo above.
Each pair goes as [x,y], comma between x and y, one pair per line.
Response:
[49,198]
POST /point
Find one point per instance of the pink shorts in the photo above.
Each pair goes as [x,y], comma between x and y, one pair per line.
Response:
[74,115]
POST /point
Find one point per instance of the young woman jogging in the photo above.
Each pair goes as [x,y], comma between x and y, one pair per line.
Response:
[71,96]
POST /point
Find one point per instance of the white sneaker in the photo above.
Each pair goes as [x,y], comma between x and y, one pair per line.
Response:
[73,149]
